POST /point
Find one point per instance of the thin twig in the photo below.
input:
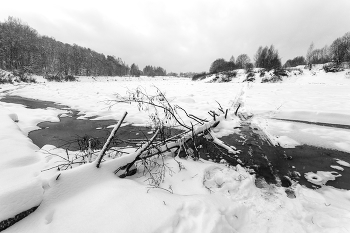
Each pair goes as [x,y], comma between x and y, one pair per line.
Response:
[237,109]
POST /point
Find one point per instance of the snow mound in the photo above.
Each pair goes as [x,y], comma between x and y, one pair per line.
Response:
[200,216]
[226,180]
[20,197]
[21,187]
[286,142]
[14,117]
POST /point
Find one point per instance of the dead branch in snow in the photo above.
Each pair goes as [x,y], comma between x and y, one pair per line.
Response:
[139,153]
[148,151]
[236,112]
[149,158]
[162,112]
[109,140]
[159,109]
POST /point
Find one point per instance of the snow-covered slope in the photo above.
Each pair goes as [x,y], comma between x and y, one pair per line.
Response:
[293,75]
[206,197]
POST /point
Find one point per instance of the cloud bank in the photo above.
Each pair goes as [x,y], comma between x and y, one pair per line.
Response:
[187,35]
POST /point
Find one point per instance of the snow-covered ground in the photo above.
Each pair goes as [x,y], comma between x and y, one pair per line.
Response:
[87,199]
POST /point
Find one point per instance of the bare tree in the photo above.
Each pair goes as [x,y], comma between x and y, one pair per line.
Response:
[242,61]
[309,53]
[215,66]
[267,58]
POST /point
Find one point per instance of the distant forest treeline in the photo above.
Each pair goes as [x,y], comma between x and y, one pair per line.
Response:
[268,57]
[23,50]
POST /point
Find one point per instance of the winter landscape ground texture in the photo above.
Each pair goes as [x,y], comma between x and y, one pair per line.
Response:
[205,196]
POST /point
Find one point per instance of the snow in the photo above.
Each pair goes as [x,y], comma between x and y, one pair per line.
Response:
[195,196]
[343,163]
[19,169]
[29,118]
[297,133]
[87,199]
[227,126]
[286,142]
[321,177]
[337,167]
[90,104]
[291,100]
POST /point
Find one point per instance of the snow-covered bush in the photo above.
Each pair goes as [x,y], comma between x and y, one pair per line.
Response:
[331,67]
[15,76]
[215,79]
[53,78]
[273,79]
[250,77]
[249,67]
[262,72]
[70,78]
[274,76]
[22,76]
[280,72]
[199,76]
[347,75]
[229,74]
[226,79]
[5,77]
[295,71]
[60,78]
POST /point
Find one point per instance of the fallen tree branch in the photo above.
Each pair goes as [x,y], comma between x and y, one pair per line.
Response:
[193,117]
[236,112]
[139,153]
[157,101]
[109,140]
[193,142]
[145,152]
[152,154]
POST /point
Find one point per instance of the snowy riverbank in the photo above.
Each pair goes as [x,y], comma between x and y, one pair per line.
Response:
[86,199]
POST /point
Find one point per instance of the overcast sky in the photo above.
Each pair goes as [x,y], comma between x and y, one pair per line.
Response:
[185,35]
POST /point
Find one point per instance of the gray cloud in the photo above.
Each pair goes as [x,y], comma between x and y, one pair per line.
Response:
[186,35]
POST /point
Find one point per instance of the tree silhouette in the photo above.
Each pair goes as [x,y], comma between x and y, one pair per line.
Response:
[267,58]
[23,50]
[242,61]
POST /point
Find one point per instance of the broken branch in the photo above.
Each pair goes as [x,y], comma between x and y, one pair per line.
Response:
[109,140]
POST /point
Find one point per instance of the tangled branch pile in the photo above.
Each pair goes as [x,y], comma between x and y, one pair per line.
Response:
[172,137]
